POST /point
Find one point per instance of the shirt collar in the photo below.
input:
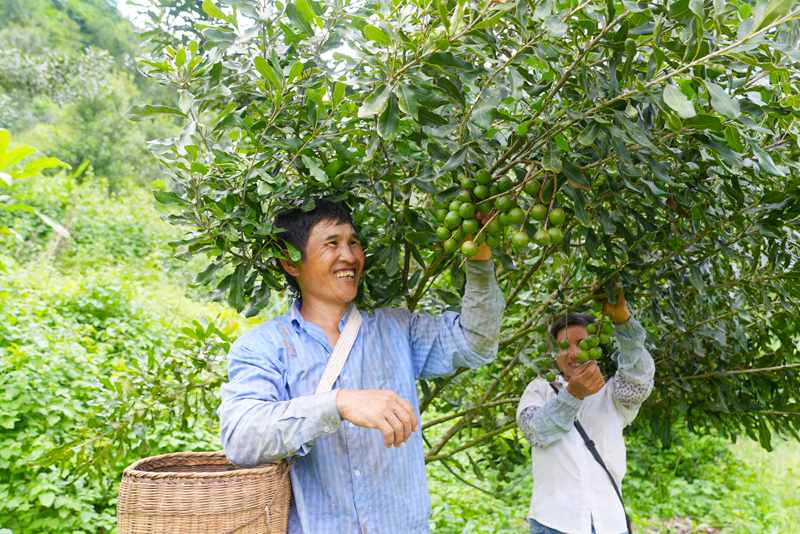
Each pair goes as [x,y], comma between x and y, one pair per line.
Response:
[297,318]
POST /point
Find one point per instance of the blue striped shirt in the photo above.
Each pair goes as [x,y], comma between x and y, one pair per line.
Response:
[344,479]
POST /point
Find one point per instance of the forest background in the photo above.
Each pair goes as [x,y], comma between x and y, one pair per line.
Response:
[76,300]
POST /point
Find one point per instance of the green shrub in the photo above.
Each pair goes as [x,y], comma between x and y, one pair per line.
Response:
[66,347]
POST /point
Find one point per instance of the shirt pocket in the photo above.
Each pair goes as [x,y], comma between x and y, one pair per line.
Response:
[380,371]
[379,375]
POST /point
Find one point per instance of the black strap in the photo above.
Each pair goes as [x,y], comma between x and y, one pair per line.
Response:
[593,449]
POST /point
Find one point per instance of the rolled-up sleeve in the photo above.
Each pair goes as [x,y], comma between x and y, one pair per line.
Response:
[633,381]
[443,343]
[258,421]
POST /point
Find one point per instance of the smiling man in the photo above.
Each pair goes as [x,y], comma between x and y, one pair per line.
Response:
[360,462]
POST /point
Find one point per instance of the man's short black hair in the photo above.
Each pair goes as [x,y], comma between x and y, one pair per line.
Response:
[574,319]
[297,225]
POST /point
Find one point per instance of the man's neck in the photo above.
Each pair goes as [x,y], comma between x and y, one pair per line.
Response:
[324,314]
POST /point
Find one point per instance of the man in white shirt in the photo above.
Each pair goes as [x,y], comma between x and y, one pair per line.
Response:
[572,493]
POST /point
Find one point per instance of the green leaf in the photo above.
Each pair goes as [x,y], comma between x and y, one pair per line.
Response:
[676,100]
[318,173]
[457,276]
[788,50]
[579,200]
[212,10]
[588,136]
[206,275]
[429,118]
[316,98]
[696,277]
[722,102]
[140,113]
[455,160]
[408,102]
[697,7]
[299,20]
[420,238]
[575,175]
[768,11]
[42,163]
[266,71]
[338,93]
[54,225]
[389,121]
[555,27]
[46,499]
[551,160]
[449,63]
[169,197]
[704,122]
[374,103]
[376,34]
[673,122]
[236,287]
[218,37]
[522,129]
[305,9]
[483,114]
[634,7]
[765,162]
[296,70]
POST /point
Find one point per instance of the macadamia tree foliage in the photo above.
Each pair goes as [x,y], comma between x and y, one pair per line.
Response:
[652,146]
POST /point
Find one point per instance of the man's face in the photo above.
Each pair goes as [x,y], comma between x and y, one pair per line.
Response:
[568,361]
[332,265]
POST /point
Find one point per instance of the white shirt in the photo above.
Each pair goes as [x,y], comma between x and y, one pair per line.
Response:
[570,489]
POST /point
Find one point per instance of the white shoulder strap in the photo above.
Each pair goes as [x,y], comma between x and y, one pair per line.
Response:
[341,351]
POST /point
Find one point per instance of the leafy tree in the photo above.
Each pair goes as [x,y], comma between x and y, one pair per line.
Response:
[665,132]
[68,26]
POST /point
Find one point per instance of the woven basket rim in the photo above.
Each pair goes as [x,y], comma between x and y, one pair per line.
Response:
[134,471]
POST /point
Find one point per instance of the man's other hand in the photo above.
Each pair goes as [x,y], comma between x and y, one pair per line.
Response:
[376,408]
[618,311]
[586,380]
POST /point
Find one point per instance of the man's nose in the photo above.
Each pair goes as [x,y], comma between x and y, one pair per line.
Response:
[346,253]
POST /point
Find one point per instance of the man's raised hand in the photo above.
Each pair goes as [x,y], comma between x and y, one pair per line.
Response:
[377,408]
[586,380]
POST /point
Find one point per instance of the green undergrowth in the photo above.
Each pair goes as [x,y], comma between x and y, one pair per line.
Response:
[707,483]
[71,313]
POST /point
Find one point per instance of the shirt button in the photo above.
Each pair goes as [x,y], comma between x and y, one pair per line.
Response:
[351,425]
[357,473]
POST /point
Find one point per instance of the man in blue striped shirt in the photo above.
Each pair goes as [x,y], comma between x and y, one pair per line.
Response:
[351,474]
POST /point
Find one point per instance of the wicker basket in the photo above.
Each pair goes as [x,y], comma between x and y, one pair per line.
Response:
[203,493]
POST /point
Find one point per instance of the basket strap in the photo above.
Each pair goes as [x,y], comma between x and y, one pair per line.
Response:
[340,351]
[266,508]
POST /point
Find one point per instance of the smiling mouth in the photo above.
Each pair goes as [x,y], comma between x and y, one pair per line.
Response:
[347,274]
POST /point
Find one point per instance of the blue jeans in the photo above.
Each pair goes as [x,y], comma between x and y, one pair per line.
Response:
[538,528]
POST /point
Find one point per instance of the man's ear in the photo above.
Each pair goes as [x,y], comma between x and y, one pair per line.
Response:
[289,266]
